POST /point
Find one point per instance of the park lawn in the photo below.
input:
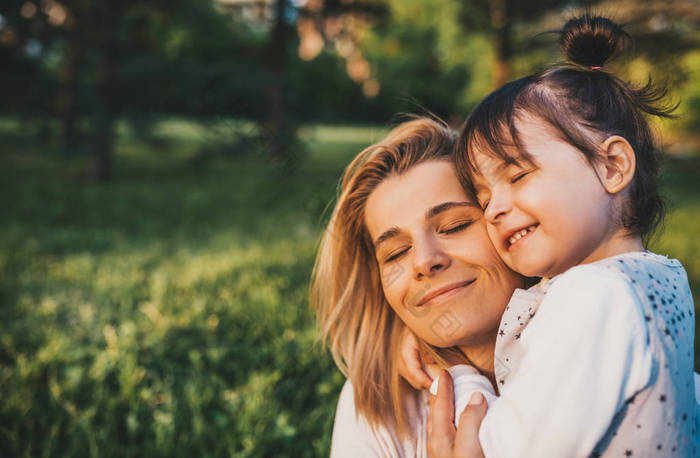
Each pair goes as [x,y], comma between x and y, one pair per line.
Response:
[165,313]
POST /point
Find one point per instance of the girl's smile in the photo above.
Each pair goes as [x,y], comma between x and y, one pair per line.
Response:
[548,216]
[519,235]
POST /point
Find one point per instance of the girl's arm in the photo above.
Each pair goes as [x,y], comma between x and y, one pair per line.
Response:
[465,381]
[585,355]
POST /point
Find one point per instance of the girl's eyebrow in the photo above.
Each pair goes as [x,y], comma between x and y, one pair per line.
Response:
[502,166]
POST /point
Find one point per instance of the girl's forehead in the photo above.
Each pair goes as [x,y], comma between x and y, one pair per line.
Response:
[490,161]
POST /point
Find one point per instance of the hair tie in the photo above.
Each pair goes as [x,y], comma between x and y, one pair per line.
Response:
[596,68]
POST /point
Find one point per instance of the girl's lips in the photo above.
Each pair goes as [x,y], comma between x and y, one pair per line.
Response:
[516,237]
[444,292]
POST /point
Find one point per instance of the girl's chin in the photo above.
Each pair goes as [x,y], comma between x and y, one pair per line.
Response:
[529,267]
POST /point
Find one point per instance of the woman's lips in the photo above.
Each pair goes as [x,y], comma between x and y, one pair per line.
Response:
[444,292]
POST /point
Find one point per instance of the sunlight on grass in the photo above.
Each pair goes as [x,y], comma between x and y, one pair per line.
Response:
[167,311]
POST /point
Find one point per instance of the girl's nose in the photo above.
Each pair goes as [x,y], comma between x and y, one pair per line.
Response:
[498,206]
[429,259]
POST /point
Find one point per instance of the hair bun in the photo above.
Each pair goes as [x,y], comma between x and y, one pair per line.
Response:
[591,41]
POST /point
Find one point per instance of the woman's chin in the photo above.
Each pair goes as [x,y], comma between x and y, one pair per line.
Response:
[445,339]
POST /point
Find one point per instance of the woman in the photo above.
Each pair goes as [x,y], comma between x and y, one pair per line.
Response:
[406,247]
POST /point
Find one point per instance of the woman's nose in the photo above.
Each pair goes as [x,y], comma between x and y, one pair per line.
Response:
[429,259]
[498,206]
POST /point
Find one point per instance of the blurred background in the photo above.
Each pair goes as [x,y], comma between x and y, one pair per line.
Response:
[165,172]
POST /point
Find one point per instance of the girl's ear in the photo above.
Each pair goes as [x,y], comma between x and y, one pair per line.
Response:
[617,164]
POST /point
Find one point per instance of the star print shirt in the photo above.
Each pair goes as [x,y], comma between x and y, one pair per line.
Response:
[597,362]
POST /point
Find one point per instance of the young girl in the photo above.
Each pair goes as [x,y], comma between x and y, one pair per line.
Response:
[596,360]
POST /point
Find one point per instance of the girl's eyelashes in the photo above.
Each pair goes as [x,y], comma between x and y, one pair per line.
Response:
[517,177]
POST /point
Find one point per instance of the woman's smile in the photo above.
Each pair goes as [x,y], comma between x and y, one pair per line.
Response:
[447,265]
[443,293]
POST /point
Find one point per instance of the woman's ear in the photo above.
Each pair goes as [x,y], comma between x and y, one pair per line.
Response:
[617,164]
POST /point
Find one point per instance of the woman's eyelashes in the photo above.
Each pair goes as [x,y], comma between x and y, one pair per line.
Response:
[461,226]
[447,231]
[396,255]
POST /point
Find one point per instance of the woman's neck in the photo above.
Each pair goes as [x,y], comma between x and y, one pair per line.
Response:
[481,356]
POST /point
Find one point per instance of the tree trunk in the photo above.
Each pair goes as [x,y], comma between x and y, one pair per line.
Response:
[278,129]
[501,11]
[103,124]
[67,97]
[105,14]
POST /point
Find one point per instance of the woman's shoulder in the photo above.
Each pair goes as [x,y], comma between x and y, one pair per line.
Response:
[354,436]
[346,400]
[348,421]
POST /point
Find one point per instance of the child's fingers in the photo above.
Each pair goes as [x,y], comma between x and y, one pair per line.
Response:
[411,370]
[433,370]
[466,441]
[441,429]
[419,378]
[409,364]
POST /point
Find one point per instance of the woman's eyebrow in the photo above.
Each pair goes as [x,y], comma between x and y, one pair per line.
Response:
[436,210]
[432,212]
[393,232]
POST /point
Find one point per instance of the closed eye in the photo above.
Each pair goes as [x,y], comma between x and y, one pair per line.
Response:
[457,228]
[519,176]
[396,256]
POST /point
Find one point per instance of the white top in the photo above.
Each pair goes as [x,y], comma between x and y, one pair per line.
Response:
[597,363]
[605,368]
[466,380]
[353,437]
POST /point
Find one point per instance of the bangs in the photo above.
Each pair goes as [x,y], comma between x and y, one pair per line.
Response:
[499,141]
[491,129]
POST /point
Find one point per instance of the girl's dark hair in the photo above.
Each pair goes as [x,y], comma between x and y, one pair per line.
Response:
[583,102]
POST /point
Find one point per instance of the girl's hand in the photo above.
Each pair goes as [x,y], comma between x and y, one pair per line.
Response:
[443,439]
[409,364]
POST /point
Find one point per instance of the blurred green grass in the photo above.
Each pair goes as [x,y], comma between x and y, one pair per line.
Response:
[165,313]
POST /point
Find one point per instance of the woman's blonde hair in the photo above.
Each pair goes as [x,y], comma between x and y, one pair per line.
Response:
[354,318]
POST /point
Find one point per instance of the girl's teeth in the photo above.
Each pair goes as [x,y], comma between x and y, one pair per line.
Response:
[518,235]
